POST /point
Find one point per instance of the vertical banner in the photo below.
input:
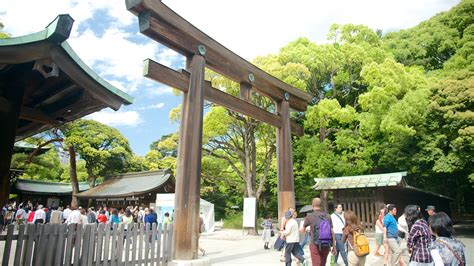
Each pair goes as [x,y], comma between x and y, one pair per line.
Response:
[249,212]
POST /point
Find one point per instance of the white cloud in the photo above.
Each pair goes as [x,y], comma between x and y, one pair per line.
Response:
[252,28]
[153,106]
[117,118]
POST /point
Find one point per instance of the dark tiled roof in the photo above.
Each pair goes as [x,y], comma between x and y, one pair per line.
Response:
[46,187]
[130,184]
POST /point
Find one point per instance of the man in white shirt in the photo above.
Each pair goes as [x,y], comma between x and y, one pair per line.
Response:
[338,223]
[292,235]
[66,213]
[40,215]
[74,217]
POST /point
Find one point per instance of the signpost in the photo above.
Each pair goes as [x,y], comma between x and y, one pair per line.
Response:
[249,212]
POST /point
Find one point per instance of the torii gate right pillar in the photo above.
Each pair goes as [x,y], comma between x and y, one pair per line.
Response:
[286,187]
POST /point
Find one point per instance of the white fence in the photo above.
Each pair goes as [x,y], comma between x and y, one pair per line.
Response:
[55,244]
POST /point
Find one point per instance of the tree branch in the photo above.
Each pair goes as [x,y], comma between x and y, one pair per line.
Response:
[30,157]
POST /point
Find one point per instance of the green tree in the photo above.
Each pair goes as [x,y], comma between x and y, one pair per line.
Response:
[104,149]
[432,42]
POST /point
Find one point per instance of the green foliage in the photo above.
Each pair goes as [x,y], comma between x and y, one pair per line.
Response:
[46,166]
[104,149]
[432,42]
[234,221]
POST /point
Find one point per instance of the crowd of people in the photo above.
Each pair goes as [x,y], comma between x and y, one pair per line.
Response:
[38,214]
[409,240]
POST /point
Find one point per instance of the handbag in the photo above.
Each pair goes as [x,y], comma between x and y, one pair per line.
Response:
[279,244]
[272,233]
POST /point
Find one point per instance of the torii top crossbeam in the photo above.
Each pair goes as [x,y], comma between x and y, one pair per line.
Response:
[162,24]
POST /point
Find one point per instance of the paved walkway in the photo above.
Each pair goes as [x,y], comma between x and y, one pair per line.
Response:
[232,247]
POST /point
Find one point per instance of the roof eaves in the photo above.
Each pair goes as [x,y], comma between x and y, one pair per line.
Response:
[125,98]
[57,31]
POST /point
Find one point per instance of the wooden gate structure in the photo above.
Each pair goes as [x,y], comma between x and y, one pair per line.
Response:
[163,25]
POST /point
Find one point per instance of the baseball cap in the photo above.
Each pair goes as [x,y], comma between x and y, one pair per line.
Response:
[430,207]
[288,214]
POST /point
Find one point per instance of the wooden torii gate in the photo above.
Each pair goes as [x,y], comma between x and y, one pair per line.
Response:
[159,22]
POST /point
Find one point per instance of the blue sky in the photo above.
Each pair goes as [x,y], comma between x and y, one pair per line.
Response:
[106,37]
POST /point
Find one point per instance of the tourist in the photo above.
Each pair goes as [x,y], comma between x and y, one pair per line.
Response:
[202,228]
[8,216]
[40,216]
[83,216]
[150,217]
[391,234]
[419,237]
[306,233]
[282,227]
[47,212]
[140,215]
[445,250]
[319,253]
[74,216]
[338,224]
[56,216]
[267,225]
[127,219]
[21,215]
[91,216]
[114,218]
[167,220]
[403,231]
[379,234]
[66,213]
[430,209]
[352,225]
[292,237]
[31,215]
[102,218]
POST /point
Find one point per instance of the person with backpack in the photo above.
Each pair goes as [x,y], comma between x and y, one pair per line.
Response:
[357,242]
[338,224]
[445,249]
[292,237]
[322,235]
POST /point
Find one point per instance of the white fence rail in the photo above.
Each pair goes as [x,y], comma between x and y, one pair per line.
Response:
[91,244]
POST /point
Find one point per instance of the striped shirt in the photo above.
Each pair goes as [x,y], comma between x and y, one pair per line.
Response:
[419,240]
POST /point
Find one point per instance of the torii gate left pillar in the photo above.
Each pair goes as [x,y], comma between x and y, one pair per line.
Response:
[188,172]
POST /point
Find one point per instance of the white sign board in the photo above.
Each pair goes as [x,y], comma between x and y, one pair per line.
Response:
[249,212]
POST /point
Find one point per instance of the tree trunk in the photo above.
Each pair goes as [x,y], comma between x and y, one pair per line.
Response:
[324,200]
[91,180]
[73,175]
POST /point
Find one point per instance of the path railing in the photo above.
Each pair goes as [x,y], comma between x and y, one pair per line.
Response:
[91,244]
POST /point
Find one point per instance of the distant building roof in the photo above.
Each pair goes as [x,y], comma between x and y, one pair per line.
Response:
[130,184]
[46,187]
[360,181]
[25,147]
[393,180]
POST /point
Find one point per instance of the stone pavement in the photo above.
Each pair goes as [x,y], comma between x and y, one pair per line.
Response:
[232,247]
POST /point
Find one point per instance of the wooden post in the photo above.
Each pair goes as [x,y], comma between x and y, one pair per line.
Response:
[188,172]
[286,191]
[245,91]
[9,122]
